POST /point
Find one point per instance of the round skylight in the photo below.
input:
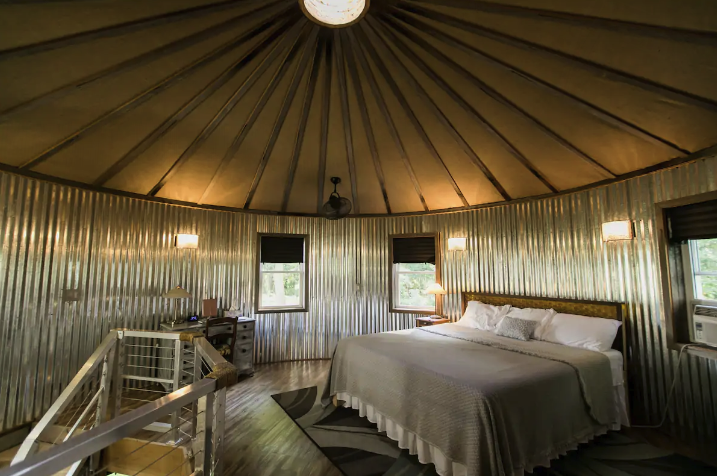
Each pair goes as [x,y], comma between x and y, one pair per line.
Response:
[335,12]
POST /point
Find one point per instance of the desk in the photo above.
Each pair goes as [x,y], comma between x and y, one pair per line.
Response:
[243,347]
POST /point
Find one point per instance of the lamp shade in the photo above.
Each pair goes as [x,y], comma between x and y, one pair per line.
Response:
[185,241]
[617,230]
[435,288]
[176,293]
[456,244]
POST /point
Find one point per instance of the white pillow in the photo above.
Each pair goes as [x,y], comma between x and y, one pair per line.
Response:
[592,333]
[483,316]
[541,316]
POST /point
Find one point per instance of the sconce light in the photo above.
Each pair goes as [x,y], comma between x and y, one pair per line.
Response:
[617,230]
[189,242]
[456,244]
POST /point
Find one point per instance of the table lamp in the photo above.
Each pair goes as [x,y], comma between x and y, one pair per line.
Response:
[176,293]
[437,290]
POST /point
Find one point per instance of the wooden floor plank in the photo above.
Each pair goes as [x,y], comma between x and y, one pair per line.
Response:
[260,438]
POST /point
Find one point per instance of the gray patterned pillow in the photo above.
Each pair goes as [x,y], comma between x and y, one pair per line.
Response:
[515,328]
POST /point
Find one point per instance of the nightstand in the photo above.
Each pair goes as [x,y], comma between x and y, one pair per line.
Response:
[427,321]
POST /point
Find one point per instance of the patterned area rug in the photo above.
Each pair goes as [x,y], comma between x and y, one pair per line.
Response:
[356,447]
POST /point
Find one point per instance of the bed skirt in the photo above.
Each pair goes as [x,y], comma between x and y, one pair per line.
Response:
[426,452]
[407,440]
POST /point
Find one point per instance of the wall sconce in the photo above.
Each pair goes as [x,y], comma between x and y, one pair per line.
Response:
[617,230]
[456,244]
[188,242]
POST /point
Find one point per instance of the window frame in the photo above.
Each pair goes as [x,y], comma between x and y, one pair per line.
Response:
[393,276]
[691,264]
[304,307]
[673,276]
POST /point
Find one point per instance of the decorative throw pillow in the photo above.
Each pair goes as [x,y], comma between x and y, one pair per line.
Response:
[515,328]
[541,316]
[483,316]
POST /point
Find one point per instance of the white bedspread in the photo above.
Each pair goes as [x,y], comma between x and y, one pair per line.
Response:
[430,454]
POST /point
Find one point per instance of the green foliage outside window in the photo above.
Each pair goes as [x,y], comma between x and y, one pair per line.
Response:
[282,287]
[707,263]
[413,279]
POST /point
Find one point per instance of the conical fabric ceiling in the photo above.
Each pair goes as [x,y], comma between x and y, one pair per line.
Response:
[418,106]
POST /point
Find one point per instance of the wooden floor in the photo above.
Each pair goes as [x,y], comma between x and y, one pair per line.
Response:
[260,438]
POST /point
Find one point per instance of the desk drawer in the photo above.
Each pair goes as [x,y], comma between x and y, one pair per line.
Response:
[244,356]
[218,330]
[245,326]
[245,337]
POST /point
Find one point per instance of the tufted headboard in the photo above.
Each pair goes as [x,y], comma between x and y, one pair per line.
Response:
[603,309]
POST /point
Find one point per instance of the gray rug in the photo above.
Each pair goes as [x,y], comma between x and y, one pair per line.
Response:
[356,447]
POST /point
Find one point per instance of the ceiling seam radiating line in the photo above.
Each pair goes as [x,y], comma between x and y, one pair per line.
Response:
[605,116]
[466,106]
[442,118]
[601,69]
[227,75]
[256,110]
[358,53]
[118,29]
[501,99]
[366,120]
[348,139]
[704,37]
[141,60]
[324,134]
[303,120]
[408,110]
[283,112]
[146,95]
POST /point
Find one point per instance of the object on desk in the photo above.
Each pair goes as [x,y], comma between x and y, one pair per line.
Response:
[232,313]
[193,319]
[176,293]
[209,308]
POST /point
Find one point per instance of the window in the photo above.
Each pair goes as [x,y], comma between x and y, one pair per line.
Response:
[413,270]
[686,230]
[703,264]
[281,273]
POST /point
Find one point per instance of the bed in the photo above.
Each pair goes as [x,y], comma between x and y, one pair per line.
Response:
[474,403]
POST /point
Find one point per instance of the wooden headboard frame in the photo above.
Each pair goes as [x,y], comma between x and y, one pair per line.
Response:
[603,309]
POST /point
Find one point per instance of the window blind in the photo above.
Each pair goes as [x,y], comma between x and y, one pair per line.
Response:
[282,249]
[420,249]
[692,222]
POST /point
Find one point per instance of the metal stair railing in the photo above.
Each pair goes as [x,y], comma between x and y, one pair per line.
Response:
[186,379]
[102,355]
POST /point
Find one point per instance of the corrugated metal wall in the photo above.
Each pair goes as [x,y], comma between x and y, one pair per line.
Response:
[118,253]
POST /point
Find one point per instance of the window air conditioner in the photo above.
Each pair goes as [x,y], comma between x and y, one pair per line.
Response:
[704,324]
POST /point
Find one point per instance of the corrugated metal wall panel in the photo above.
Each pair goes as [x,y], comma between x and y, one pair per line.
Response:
[118,252]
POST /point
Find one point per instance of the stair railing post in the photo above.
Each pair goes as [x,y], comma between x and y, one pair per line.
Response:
[117,372]
[178,367]
[197,377]
[102,402]
[220,400]
[202,445]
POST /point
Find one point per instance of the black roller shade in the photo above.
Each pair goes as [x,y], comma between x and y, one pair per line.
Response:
[693,222]
[421,249]
[282,249]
